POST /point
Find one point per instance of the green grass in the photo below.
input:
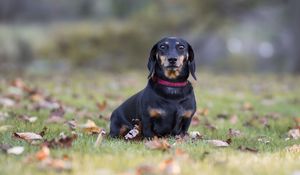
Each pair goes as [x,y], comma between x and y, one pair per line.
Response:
[220,94]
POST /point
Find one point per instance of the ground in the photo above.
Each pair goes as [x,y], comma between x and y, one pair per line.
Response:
[260,110]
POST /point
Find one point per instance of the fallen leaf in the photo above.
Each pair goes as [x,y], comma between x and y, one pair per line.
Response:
[101,105]
[145,169]
[27,118]
[43,153]
[19,83]
[56,115]
[234,133]
[294,133]
[233,119]
[46,104]
[202,112]
[170,167]
[182,139]
[17,150]
[100,137]
[63,141]
[210,126]
[28,136]
[247,149]
[56,164]
[293,149]
[195,121]
[7,102]
[222,116]
[195,135]
[181,154]
[46,161]
[90,127]
[218,143]
[72,124]
[247,106]
[158,144]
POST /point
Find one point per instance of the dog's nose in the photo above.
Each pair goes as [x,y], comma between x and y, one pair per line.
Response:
[172,60]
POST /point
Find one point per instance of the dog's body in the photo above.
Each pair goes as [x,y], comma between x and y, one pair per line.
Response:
[167,104]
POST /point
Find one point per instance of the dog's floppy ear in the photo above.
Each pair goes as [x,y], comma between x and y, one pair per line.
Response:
[152,61]
[191,61]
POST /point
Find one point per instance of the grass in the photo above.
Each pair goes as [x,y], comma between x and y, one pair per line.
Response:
[220,94]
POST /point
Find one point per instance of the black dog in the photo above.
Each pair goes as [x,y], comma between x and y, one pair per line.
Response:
[167,104]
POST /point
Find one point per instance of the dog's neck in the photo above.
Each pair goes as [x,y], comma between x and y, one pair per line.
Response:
[169,83]
[170,90]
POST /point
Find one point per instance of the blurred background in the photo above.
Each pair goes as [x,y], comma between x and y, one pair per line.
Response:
[232,36]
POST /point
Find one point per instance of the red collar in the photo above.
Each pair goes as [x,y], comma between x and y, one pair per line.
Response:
[168,83]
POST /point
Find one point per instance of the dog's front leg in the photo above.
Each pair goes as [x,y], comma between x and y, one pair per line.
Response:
[146,127]
[178,125]
[185,126]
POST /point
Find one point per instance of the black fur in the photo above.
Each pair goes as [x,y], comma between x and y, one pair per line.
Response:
[175,102]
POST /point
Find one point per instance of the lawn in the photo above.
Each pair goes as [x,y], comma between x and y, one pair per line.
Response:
[262,112]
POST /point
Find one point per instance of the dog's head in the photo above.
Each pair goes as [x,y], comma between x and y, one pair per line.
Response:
[172,58]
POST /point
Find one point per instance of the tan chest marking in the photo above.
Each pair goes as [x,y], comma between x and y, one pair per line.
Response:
[187,113]
[172,74]
[156,112]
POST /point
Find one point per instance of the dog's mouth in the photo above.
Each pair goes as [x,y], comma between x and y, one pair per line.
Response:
[172,67]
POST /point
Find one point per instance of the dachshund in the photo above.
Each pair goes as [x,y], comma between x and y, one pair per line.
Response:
[165,107]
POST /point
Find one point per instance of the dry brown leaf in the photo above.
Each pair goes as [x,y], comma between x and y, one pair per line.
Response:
[202,112]
[101,105]
[63,141]
[43,154]
[145,169]
[247,149]
[18,82]
[7,102]
[218,143]
[72,124]
[27,118]
[56,164]
[247,106]
[170,167]
[233,119]
[46,161]
[234,133]
[195,135]
[293,149]
[210,126]
[222,116]
[90,127]
[158,144]
[181,154]
[195,121]
[56,116]
[28,136]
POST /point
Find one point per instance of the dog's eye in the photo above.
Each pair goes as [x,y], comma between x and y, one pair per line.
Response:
[180,47]
[163,47]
